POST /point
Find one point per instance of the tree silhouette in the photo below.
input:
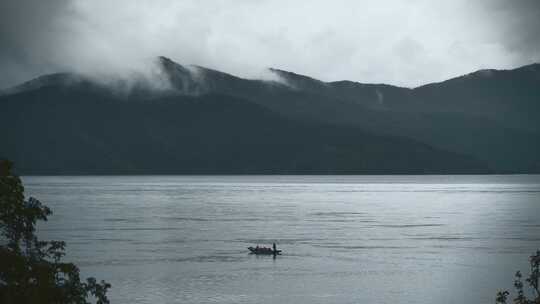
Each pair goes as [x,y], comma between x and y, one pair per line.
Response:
[532,280]
[31,271]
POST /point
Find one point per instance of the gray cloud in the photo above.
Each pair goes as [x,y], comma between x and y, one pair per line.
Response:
[28,37]
[403,42]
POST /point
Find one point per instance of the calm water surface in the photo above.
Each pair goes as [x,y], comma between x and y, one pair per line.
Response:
[346,239]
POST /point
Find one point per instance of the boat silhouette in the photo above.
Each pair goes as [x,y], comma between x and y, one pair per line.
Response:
[264,250]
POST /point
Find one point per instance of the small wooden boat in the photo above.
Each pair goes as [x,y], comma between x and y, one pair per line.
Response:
[264,250]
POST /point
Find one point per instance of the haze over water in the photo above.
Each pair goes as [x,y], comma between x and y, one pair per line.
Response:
[345,239]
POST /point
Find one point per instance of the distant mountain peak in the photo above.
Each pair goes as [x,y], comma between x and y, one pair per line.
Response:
[56,79]
[483,73]
[182,79]
[170,66]
[176,78]
[164,59]
[213,72]
[293,76]
[534,67]
[298,81]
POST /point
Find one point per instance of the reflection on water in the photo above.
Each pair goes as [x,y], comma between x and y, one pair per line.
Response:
[345,239]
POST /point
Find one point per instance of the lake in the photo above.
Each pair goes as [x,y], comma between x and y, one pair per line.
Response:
[345,239]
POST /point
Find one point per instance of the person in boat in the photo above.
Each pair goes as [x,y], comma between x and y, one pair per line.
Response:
[274,247]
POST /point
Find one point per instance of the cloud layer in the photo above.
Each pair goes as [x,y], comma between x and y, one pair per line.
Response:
[402,42]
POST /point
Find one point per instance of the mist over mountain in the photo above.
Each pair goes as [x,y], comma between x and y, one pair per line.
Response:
[190,119]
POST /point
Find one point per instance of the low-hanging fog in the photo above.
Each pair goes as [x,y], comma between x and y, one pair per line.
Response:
[401,42]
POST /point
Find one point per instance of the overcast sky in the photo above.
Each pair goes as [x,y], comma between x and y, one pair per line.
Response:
[401,42]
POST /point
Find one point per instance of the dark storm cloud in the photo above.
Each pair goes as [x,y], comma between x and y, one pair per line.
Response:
[29,36]
[516,25]
[394,41]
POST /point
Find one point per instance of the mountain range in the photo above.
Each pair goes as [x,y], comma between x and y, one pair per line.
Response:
[205,121]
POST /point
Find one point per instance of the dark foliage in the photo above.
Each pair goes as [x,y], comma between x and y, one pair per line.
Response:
[32,271]
[532,280]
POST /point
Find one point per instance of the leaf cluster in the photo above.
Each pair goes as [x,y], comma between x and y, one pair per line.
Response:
[532,281]
[31,270]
